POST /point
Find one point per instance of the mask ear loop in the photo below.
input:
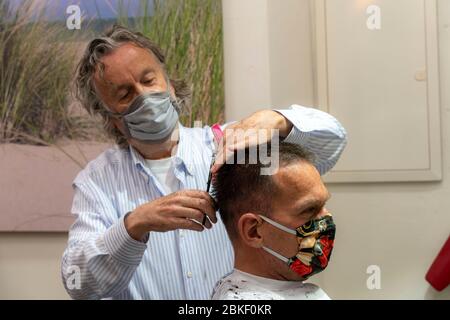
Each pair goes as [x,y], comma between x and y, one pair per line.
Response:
[121,118]
[279,226]
[173,100]
[276,255]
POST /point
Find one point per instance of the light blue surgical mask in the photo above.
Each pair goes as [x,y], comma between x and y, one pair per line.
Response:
[151,117]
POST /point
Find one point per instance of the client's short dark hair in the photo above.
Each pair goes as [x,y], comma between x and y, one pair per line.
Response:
[241,188]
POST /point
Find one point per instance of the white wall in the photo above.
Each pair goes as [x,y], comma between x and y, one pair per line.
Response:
[246,48]
[29,265]
[399,227]
[267,55]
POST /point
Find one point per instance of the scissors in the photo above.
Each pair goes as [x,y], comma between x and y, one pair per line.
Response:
[218,133]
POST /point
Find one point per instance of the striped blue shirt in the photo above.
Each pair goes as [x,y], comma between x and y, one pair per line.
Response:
[180,264]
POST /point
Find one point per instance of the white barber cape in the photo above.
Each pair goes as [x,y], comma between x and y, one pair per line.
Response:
[239,285]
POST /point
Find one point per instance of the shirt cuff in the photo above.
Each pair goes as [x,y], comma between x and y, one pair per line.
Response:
[296,135]
[121,246]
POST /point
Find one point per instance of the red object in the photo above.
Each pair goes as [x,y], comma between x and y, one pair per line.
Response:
[439,273]
[217,131]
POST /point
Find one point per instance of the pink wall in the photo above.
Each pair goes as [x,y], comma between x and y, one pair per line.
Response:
[35,184]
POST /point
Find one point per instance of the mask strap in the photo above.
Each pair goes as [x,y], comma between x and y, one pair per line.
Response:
[276,254]
[168,83]
[279,226]
[173,100]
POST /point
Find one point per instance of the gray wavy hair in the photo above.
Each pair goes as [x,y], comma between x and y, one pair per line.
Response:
[85,91]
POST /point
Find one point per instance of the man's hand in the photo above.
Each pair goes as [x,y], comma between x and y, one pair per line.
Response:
[175,211]
[267,120]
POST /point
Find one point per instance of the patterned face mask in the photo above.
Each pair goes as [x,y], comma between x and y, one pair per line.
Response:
[315,243]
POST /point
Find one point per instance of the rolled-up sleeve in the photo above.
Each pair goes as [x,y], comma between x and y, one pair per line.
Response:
[318,132]
[99,248]
[121,246]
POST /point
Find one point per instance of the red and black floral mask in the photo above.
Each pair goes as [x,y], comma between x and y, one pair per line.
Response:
[315,239]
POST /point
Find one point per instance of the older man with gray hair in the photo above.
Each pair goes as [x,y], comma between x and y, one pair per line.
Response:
[140,230]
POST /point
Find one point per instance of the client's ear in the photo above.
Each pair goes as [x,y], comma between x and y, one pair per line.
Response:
[249,230]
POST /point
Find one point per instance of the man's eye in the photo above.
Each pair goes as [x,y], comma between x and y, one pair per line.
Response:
[149,81]
[311,212]
[123,97]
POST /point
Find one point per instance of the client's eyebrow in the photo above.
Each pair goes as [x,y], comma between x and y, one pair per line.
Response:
[312,203]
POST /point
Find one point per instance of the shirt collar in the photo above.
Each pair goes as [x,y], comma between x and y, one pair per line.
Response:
[181,157]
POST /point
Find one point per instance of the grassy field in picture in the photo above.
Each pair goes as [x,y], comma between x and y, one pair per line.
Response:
[190,33]
[38,59]
[35,74]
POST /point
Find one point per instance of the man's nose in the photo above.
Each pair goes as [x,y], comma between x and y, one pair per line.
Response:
[139,89]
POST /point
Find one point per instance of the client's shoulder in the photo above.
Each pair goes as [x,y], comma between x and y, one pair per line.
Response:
[236,287]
